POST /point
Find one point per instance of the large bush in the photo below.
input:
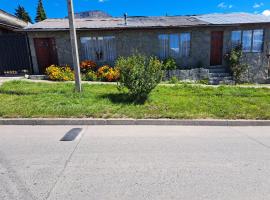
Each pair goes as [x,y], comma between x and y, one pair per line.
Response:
[57,73]
[234,58]
[139,74]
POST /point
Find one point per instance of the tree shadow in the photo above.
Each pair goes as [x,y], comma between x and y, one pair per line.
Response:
[123,98]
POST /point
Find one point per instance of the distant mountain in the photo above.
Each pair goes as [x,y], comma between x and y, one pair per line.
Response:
[92,14]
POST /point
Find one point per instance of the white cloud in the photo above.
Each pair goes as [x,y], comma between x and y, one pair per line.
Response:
[266,13]
[223,5]
[101,1]
[258,5]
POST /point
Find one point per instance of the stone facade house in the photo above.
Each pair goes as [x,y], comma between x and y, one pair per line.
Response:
[193,41]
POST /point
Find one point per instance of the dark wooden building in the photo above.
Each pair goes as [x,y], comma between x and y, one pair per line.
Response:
[14,49]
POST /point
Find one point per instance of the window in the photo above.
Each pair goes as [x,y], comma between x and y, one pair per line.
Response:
[247,41]
[164,46]
[174,45]
[184,44]
[257,41]
[236,38]
[100,49]
[251,40]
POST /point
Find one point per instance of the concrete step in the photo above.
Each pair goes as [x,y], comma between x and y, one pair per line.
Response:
[221,78]
[220,82]
[228,80]
[221,74]
[215,66]
[217,70]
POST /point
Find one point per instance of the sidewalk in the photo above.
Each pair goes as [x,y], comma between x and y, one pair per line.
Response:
[11,78]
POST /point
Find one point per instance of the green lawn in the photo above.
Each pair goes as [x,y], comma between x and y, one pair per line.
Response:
[27,99]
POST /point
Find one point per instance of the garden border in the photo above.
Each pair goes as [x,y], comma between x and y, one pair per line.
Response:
[156,122]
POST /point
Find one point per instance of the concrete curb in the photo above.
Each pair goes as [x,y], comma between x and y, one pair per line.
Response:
[164,122]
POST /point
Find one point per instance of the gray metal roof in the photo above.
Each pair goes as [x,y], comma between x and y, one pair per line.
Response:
[112,23]
[233,18]
[150,22]
[11,21]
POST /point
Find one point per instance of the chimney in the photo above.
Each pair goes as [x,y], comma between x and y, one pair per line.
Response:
[125,18]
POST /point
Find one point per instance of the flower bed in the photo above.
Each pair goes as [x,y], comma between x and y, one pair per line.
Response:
[90,71]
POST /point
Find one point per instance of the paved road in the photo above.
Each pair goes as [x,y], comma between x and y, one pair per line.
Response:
[135,162]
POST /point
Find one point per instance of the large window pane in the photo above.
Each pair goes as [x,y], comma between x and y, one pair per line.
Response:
[163,46]
[174,45]
[86,49]
[236,38]
[247,39]
[184,44]
[257,41]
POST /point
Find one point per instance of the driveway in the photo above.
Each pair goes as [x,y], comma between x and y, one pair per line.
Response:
[135,162]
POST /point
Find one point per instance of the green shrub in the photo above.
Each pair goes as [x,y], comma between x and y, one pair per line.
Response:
[139,74]
[174,80]
[169,64]
[91,76]
[203,81]
[234,61]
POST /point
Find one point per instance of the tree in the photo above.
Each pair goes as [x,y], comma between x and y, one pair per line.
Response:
[41,14]
[21,13]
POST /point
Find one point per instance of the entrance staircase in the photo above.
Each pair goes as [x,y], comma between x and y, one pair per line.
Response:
[219,75]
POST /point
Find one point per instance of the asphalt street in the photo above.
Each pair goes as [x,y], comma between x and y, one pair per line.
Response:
[134,162]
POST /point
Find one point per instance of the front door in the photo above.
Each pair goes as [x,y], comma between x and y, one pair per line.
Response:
[216,48]
[45,52]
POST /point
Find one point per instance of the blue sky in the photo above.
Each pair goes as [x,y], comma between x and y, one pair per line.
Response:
[57,8]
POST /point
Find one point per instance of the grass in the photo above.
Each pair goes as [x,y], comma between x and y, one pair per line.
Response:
[183,101]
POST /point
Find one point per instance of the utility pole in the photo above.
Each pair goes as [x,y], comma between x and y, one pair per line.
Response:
[74,46]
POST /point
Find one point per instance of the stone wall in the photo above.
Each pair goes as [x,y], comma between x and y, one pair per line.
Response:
[191,74]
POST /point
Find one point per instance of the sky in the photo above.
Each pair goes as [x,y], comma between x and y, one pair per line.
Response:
[58,8]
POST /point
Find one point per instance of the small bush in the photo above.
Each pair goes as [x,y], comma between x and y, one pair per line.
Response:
[107,73]
[169,64]
[87,65]
[234,61]
[139,74]
[90,76]
[203,81]
[57,73]
[174,80]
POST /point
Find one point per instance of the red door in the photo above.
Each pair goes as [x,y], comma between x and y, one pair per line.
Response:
[216,48]
[46,53]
